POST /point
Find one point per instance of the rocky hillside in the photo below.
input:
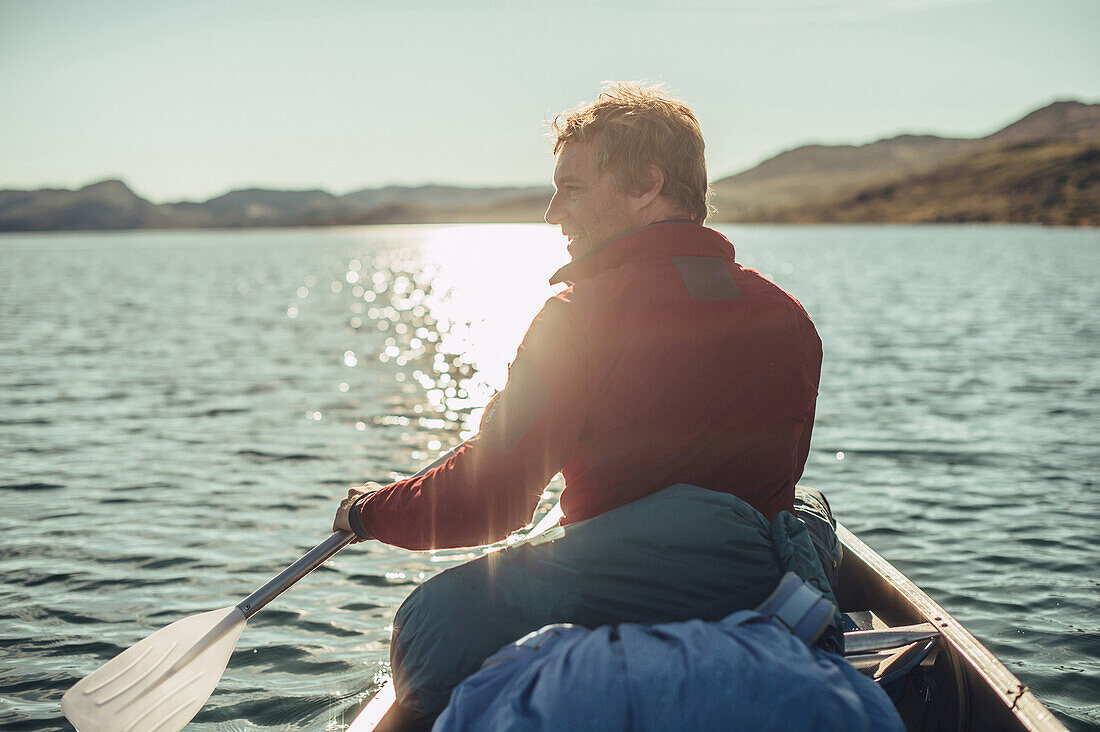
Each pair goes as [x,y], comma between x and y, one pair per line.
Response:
[1021,182]
[813,182]
[105,205]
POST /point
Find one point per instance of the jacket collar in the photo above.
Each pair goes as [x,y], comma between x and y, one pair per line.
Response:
[656,241]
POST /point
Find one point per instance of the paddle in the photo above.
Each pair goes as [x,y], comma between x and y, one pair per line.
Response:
[161,683]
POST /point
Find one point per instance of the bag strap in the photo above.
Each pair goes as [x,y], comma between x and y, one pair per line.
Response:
[799,608]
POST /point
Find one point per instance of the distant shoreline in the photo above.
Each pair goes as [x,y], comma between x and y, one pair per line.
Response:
[1041,169]
[11,234]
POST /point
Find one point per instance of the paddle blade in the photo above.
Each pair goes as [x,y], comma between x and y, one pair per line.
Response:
[161,683]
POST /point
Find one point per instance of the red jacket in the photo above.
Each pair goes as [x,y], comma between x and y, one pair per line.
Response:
[664,362]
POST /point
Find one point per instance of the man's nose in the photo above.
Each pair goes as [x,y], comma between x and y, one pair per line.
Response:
[553,213]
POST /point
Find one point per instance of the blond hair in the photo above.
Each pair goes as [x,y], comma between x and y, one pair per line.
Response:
[632,126]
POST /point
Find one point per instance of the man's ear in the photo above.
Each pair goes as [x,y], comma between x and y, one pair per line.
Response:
[651,184]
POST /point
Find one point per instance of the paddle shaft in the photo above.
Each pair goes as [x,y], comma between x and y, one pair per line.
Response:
[312,559]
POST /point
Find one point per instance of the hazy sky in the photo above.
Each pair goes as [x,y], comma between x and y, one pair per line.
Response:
[191,99]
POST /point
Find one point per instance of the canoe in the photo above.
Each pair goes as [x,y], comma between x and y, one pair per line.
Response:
[941,676]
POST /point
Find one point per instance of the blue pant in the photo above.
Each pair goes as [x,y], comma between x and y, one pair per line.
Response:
[683,552]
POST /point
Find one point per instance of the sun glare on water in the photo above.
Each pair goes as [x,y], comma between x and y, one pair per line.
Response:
[451,304]
[491,282]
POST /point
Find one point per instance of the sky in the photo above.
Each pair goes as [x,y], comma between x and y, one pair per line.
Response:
[187,100]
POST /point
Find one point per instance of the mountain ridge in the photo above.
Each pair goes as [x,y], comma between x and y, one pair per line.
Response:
[809,183]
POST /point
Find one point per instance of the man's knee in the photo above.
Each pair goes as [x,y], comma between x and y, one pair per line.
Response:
[435,640]
[446,628]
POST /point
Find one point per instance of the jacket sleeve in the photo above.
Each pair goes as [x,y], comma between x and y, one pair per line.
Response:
[491,485]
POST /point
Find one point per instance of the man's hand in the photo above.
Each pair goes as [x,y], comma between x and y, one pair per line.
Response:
[342,522]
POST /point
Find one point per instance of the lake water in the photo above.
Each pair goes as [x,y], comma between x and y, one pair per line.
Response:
[181,411]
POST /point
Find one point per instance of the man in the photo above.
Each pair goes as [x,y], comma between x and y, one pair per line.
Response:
[672,388]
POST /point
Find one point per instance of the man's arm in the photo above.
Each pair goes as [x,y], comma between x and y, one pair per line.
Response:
[489,486]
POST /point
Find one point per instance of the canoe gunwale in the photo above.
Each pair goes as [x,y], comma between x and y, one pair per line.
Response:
[989,695]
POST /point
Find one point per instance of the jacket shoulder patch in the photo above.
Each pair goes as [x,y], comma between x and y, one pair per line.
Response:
[706,278]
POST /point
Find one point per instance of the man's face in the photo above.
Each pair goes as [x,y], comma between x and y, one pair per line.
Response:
[588,206]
